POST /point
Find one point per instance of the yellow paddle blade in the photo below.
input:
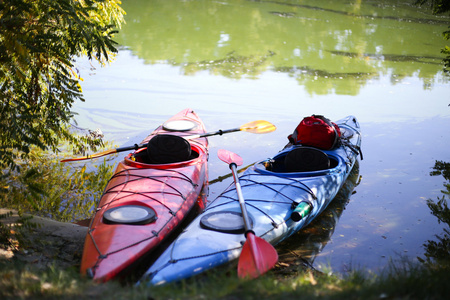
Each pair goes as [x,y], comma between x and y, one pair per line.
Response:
[259,126]
[95,155]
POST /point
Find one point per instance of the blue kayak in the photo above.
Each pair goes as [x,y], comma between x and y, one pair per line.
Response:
[280,200]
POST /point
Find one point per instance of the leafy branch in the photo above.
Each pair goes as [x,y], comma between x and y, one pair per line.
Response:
[38,85]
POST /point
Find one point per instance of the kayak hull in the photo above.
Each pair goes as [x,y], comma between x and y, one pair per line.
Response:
[167,192]
[270,199]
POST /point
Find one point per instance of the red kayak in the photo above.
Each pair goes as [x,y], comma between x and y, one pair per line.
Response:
[153,190]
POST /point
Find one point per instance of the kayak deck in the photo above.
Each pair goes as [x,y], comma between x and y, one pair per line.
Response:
[270,198]
[143,204]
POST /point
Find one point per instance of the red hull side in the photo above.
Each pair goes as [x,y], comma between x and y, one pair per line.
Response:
[171,190]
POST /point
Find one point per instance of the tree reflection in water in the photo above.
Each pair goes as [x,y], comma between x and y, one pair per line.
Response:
[299,251]
[439,251]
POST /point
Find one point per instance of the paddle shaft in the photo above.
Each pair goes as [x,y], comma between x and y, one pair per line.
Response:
[257,255]
[218,132]
[241,198]
[259,126]
[139,146]
[189,137]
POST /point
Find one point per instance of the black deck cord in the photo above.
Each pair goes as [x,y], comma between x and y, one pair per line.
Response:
[360,152]
[220,132]
[356,149]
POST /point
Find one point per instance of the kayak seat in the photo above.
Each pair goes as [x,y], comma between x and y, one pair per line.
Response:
[306,159]
[167,148]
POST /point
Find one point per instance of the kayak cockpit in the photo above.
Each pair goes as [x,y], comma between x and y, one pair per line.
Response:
[299,162]
[165,151]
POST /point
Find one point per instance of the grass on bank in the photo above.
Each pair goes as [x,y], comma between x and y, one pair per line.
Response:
[404,281]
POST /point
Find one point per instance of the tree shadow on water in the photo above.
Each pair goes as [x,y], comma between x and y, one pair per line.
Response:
[438,251]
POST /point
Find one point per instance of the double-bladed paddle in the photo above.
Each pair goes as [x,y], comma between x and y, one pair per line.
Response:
[259,126]
[257,256]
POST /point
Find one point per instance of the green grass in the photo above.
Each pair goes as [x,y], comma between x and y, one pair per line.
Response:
[402,281]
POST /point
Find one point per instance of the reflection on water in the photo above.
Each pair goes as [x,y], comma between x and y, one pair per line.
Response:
[235,61]
[357,12]
[301,249]
[439,251]
[392,57]
[326,45]
[232,66]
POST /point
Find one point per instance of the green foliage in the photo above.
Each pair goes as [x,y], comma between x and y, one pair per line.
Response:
[440,7]
[446,51]
[38,79]
[48,188]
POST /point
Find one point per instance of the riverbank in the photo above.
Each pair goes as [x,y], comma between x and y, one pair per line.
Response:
[49,243]
[52,251]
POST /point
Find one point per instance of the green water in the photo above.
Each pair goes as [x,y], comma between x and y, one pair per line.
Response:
[237,61]
[327,46]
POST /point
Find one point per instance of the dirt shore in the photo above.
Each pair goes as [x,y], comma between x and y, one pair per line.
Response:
[49,243]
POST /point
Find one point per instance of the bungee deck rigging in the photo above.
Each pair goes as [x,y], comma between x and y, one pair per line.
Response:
[144,203]
[147,195]
[153,192]
[270,199]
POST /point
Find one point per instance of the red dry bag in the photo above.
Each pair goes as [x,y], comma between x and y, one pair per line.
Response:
[316,131]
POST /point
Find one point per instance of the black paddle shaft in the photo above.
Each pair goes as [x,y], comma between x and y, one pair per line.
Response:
[245,217]
[219,132]
[134,147]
